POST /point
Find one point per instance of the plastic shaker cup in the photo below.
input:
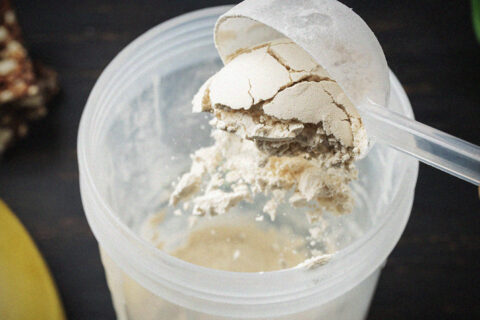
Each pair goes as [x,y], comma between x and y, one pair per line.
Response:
[135,137]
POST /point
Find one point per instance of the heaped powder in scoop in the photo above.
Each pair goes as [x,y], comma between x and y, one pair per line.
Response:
[276,95]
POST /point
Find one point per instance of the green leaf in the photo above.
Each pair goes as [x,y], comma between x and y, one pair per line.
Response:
[476,17]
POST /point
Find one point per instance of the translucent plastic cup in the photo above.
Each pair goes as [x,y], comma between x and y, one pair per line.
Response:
[135,137]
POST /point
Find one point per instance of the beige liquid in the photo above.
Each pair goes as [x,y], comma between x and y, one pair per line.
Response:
[234,244]
[242,248]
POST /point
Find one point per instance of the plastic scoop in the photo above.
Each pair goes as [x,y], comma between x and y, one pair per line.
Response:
[429,145]
[342,43]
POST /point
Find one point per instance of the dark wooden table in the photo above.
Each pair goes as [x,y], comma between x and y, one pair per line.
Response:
[434,271]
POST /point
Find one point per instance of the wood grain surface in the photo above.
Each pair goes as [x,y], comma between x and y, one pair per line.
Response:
[434,271]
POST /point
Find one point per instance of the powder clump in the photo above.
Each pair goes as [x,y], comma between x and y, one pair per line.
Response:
[282,127]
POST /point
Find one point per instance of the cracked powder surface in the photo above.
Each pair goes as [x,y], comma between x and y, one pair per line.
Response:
[282,127]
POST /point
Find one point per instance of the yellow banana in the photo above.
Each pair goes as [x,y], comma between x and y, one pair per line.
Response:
[27,290]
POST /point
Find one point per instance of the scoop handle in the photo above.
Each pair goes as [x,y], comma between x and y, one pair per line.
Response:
[429,145]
